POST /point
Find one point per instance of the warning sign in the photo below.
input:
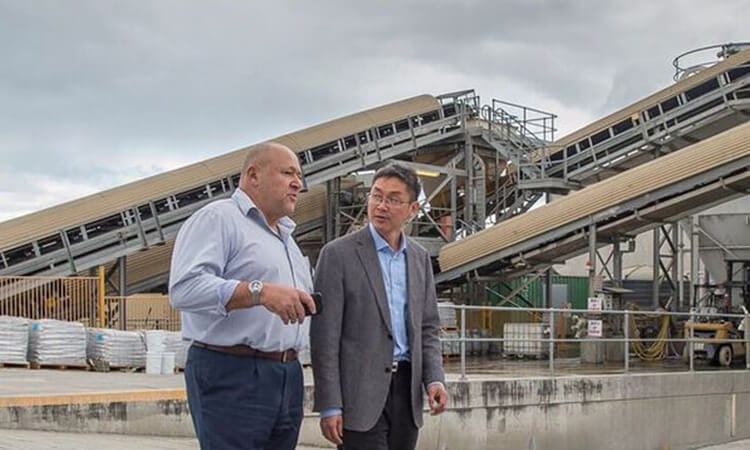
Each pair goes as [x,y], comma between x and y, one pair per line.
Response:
[595,328]
[595,304]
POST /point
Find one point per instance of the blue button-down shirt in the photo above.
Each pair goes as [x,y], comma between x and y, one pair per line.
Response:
[393,266]
[223,243]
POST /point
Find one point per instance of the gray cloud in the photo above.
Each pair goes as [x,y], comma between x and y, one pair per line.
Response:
[97,93]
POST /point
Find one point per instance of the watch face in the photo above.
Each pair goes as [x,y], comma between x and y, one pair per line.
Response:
[256,286]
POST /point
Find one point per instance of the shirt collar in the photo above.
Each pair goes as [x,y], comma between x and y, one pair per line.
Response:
[381,243]
[246,205]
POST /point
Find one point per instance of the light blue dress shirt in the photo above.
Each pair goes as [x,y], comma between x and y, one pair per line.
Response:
[393,266]
[223,243]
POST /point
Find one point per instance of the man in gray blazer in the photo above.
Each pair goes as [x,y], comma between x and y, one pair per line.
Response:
[375,343]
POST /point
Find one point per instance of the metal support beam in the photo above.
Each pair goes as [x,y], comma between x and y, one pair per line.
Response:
[548,288]
[332,209]
[694,260]
[592,257]
[123,290]
[617,261]
[656,261]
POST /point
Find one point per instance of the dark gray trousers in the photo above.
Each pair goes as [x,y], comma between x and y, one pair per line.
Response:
[395,429]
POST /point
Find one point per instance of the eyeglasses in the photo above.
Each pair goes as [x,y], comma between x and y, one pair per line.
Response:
[376,199]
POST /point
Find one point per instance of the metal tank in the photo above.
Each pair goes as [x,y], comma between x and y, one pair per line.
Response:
[723,233]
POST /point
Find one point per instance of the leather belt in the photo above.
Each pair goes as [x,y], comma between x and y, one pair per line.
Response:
[400,365]
[249,352]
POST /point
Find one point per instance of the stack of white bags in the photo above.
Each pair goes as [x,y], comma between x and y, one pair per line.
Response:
[57,342]
[162,348]
[116,348]
[14,339]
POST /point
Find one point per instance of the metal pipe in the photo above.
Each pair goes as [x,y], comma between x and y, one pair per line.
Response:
[463,344]
[691,343]
[551,341]
[626,332]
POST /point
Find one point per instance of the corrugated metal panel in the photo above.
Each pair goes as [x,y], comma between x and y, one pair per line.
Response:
[680,86]
[144,265]
[713,152]
[577,290]
[56,218]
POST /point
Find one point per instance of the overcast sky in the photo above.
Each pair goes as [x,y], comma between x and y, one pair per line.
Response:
[97,93]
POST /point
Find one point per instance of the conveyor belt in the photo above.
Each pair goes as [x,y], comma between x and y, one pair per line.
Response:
[733,68]
[96,229]
[598,200]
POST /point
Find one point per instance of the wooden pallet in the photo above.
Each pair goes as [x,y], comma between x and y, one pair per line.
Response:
[14,365]
[37,366]
[104,366]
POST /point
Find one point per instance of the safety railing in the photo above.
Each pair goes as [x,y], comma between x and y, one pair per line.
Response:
[624,336]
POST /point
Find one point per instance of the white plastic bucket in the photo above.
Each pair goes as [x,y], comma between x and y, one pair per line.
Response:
[167,363]
[155,341]
[153,363]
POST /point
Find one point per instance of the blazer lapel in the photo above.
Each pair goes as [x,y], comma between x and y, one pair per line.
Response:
[368,255]
[413,300]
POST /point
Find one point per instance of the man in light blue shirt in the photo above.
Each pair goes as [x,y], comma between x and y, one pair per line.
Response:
[375,344]
[243,285]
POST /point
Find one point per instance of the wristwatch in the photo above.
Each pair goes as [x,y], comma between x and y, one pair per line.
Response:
[255,287]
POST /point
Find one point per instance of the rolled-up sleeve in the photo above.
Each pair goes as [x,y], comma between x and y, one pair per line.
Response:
[201,251]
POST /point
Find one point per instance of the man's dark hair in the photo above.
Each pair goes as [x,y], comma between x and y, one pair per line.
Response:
[408,176]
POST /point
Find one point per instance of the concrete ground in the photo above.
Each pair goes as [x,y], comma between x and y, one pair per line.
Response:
[736,445]
[44,440]
[18,383]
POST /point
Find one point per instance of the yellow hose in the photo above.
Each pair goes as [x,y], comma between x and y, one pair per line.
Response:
[658,349]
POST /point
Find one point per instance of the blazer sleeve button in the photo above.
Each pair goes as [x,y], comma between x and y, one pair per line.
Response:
[387,370]
[390,337]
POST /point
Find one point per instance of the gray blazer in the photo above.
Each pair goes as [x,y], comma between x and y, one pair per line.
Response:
[351,340]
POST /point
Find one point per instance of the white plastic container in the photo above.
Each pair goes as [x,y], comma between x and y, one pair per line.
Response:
[155,341]
[153,363]
[167,363]
[524,339]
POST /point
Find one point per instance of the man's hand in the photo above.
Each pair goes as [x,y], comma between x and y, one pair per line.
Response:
[332,428]
[288,303]
[438,398]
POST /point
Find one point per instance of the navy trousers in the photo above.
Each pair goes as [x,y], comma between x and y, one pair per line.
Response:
[243,403]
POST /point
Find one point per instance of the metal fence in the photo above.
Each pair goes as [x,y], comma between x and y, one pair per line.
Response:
[672,334]
[81,299]
[141,312]
[72,298]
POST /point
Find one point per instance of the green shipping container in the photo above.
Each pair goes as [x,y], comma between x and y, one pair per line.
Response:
[532,295]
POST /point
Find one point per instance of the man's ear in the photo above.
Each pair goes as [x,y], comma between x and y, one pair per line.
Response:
[252,174]
[413,209]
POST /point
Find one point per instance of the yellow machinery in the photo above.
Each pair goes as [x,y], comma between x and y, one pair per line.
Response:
[712,342]
[720,340]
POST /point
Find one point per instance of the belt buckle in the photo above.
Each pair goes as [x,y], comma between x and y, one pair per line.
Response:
[394,367]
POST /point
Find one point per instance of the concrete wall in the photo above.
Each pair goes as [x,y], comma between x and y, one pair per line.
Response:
[648,411]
